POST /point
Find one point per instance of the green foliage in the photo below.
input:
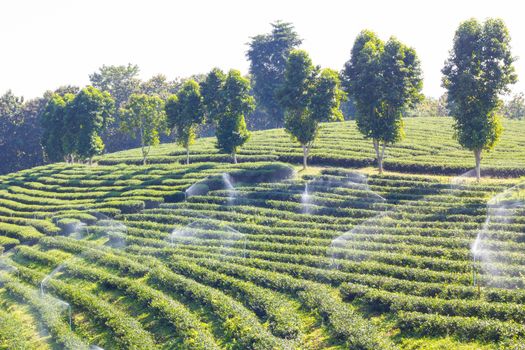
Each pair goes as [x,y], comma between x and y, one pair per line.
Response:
[85,117]
[515,107]
[55,130]
[211,91]
[72,124]
[20,132]
[185,114]
[479,69]
[268,54]
[143,117]
[429,107]
[308,98]
[383,79]
[255,271]
[120,81]
[226,101]
[160,86]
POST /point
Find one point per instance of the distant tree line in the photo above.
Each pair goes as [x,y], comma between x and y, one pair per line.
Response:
[378,86]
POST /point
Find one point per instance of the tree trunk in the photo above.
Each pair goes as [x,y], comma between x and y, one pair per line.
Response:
[379,155]
[144,152]
[234,156]
[305,156]
[477,155]
[382,157]
[187,155]
[142,145]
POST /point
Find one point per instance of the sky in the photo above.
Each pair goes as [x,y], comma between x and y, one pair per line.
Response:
[49,43]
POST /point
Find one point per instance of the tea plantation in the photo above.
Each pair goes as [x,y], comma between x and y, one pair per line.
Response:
[257,255]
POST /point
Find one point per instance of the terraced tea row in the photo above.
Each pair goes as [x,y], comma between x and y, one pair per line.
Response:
[249,260]
[429,147]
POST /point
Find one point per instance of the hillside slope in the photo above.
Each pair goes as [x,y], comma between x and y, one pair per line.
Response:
[258,256]
[428,147]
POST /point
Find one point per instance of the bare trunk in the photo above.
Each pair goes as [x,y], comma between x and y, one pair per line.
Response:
[382,157]
[143,146]
[379,155]
[477,155]
[234,156]
[187,155]
[306,150]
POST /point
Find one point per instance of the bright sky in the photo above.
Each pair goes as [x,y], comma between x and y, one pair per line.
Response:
[50,43]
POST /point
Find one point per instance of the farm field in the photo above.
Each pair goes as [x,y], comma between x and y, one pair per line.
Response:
[257,255]
[428,147]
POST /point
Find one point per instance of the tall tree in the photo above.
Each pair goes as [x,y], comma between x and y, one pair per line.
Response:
[121,82]
[226,101]
[160,86]
[211,90]
[185,114]
[478,70]
[20,132]
[383,80]
[308,97]
[268,54]
[53,122]
[143,117]
[87,115]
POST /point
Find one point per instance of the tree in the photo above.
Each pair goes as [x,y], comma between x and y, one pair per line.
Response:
[184,113]
[211,90]
[86,116]
[429,107]
[383,79]
[226,100]
[442,106]
[121,82]
[478,70]
[308,98]
[53,123]
[10,107]
[160,86]
[20,133]
[143,117]
[515,107]
[268,54]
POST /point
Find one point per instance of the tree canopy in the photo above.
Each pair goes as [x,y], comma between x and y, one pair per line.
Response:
[87,115]
[53,122]
[73,123]
[383,79]
[185,113]
[308,97]
[20,132]
[211,90]
[515,107]
[268,54]
[226,100]
[143,117]
[478,70]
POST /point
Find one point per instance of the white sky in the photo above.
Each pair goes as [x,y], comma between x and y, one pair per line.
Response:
[50,43]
